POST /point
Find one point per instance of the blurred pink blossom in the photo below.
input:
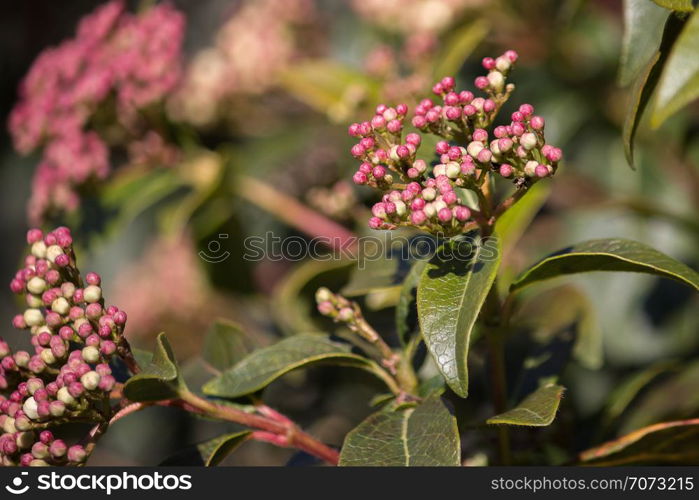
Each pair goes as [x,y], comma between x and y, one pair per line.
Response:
[133,57]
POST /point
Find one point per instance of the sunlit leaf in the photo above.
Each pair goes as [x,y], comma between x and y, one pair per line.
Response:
[613,254]
[664,443]
[679,83]
[459,46]
[515,221]
[264,366]
[645,84]
[422,435]
[537,410]
[450,295]
[643,29]
[406,310]
[225,344]
[679,5]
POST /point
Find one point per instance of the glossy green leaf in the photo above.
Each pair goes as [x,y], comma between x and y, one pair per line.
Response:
[459,46]
[679,83]
[264,366]
[225,344]
[537,410]
[209,453]
[450,294]
[678,5]
[660,444]
[158,380]
[422,435]
[613,254]
[643,29]
[515,221]
[406,309]
[215,450]
[645,84]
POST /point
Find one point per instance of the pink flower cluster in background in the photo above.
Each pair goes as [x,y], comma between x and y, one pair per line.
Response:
[128,61]
[252,48]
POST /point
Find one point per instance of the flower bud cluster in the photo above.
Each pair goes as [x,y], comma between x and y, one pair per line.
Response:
[74,337]
[337,307]
[427,197]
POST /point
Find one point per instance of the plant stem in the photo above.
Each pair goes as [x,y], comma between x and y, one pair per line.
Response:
[492,321]
[286,432]
[294,213]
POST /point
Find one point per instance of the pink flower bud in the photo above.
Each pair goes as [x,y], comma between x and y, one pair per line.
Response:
[452,113]
[488,63]
[526,110]
[58,448]
[554,155]
[107,347]
[62,260]
[537,122]
[375,223]
[465,97]
[488,105]
[541,171]
[444,215]
[518,128]
[448,82]
[378,122]
[378,172]
[419,122]
[359,178]
[511,55]
[403,152]
[107,383]
[506,170]
[451,99]
[402,109]
[418,217]
[517,117]
[469,110]
[481,82]
[394,126]
[353,130]
[34,235]
[357,151]
[438,89]
[76,454]
[461,213]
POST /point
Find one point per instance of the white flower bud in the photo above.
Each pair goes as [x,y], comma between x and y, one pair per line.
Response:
[9,425]
[530,168]
[52,252]
[496,81]
[474,148]
[36,285]
[25,440]
[494,147]
[61,306]
[91,354]
[503,64]
[92,294]
[439,170]
[453,170]
[323,295]
[438,205]
[429,194]
[29,407]
[528,140]
[429,210]
[39,250]
[345,314]
[64,396]
[90,380]
[33,317]
[47,357]
[400,208]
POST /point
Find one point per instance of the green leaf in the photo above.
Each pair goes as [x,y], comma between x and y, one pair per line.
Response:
[664,443]
[671,398]
[459,46]
[645,84]
[423,435]
[209,453]
[643,29]
[406,309]
[515,221]
[678,5]
[612,254]
[158,380]
[263,366]
[215,450]
[679,83]
[450,294]
[225,344]
[329,87]
[537,410]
